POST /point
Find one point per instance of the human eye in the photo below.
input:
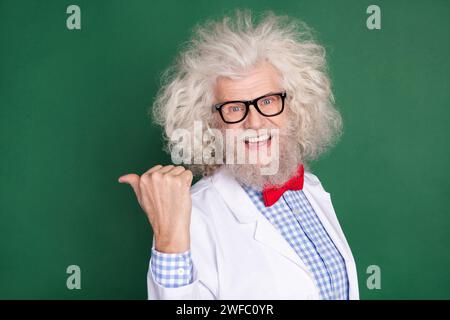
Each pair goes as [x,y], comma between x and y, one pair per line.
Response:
[267,101]
[232,108]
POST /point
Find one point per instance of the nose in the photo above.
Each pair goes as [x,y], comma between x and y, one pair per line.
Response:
[254,119]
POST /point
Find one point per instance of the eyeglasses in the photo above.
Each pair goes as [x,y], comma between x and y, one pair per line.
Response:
[268,105]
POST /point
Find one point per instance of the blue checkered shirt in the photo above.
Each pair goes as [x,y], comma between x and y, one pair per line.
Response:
[172,270]
[293,216]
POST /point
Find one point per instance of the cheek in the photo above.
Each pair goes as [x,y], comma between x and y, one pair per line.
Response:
[218,123]
[278,121]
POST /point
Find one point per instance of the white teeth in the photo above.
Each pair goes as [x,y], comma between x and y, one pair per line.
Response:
[261,138]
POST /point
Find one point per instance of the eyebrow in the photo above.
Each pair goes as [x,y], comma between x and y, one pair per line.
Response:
[243,100]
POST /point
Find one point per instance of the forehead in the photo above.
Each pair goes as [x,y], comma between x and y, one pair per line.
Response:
[258,81]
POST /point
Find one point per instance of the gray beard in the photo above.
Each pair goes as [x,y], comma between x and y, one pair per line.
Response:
[289,160]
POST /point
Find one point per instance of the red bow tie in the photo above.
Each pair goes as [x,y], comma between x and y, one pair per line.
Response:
[271,194]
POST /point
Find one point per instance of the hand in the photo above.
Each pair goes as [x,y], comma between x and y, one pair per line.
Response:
[163,192]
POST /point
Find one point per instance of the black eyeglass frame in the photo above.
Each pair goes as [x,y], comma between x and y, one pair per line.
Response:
[248,103]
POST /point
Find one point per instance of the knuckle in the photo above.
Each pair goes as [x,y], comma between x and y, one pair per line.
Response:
[143,184]
[188,174]
[179,182]
[168,178]
[143,179]
[156,176]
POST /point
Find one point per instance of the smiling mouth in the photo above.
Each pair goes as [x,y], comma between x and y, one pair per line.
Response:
[257,140]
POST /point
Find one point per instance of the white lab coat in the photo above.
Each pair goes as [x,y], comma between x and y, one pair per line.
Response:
[238,254]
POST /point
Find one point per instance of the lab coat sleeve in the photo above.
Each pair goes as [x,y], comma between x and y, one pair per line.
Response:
[204,284]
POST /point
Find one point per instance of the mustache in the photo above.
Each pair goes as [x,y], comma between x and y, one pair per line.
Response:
[244,133]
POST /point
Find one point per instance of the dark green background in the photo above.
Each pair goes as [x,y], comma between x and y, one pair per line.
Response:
[73,118]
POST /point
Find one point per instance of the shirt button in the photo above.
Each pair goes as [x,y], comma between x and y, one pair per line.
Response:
[180,271]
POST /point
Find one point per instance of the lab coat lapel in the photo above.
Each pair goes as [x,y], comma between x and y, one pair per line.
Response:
[245,211]
[268,235]
[322,205]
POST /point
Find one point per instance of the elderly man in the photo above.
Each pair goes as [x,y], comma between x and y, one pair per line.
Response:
[240,233]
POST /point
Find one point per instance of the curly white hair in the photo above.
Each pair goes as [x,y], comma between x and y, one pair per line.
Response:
[231,46]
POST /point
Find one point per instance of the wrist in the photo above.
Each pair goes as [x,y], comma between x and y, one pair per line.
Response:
[179,244]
